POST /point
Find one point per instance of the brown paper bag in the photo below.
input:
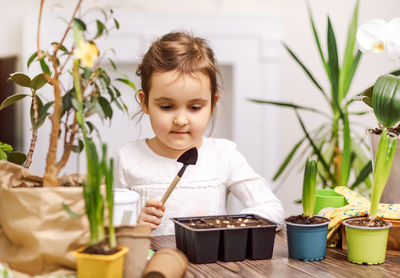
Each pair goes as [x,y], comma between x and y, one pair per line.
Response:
[37,236]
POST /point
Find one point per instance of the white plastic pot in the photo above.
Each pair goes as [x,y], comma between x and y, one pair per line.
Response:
[125,207]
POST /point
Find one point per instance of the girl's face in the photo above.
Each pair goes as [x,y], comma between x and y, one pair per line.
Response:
[179,107]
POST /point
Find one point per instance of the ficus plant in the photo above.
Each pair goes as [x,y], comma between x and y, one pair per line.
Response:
[339,149]
[98,90]
[309,188]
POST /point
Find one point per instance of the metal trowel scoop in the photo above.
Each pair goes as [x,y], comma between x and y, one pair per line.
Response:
[187,158]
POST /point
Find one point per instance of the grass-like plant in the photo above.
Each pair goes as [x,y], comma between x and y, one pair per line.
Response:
[382,166]
[340,151]
[309,188]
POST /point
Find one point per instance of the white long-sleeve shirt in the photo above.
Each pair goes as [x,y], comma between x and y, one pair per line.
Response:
[203,188]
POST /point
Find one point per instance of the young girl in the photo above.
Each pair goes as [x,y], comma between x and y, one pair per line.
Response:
[179,93]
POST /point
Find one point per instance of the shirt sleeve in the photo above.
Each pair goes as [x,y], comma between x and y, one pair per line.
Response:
[253,191]
[119,173]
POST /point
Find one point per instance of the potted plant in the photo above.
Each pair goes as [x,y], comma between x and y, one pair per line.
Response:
[367,238]
[340,151]
[377,36]
[100,258]
[306,233]
[45,195]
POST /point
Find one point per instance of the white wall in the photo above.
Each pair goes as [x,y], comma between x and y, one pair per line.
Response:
[295,87]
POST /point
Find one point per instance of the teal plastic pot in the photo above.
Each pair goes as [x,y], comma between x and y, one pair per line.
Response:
[307,242]
[366,244]
[328,198]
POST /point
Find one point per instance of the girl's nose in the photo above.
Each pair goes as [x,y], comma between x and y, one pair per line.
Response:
[180,120]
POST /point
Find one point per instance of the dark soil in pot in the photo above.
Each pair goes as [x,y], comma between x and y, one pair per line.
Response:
[365,222]
[101,248]
[301,219]
[226,222]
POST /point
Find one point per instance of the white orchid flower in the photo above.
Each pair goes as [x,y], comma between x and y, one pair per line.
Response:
[393,39]
[377,36]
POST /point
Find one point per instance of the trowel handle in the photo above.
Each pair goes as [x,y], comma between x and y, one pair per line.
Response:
[170,189]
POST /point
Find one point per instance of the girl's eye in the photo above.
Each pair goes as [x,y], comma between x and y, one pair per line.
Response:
[166,107]
[195,107]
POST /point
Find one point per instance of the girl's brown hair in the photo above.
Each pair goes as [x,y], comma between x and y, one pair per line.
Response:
[184,53]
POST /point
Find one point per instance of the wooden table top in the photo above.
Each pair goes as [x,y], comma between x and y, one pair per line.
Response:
[334,265]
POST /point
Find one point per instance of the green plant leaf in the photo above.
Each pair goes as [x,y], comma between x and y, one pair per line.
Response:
[287,160]
[16,157]
[43,114]
[316,150]
[345,165]
[70,212]
[309,188]
[351,73]
[347,65]
[31,59]
[105,105]
[127,82]
[44,66]
[386,100]
[80,24]
[21,79]
[62,48]
[317,41]
[364,173]
[78,148]
[38,82]
[333,63]
[288,105]
[116,23]
[100,28]
[114,67]
[305,69]
[12,99]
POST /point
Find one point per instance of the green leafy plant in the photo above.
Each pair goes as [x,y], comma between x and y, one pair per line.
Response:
[377,36]
[98,89]
[382,166]
[7,153]
[340,151]
[309,188]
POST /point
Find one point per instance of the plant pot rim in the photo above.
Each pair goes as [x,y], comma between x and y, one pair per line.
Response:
[365,227]
[310,225]
[77,254]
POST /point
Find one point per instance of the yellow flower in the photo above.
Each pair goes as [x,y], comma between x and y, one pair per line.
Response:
[87,53]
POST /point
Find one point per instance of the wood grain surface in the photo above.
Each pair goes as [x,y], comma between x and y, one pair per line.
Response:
[334,265]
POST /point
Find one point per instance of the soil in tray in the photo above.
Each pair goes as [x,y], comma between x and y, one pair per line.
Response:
[301,219]
[365,222]
[226,222]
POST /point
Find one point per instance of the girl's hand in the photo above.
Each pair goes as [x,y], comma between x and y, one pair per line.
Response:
[151,214]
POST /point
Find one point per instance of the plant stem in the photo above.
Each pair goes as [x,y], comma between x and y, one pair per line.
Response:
[34,133]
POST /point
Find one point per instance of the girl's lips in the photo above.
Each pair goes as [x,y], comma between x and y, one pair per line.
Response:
[179,132]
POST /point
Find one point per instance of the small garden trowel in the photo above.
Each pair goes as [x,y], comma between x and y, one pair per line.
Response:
[187,158]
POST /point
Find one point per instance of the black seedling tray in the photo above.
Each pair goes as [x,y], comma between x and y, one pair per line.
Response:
[208,245]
